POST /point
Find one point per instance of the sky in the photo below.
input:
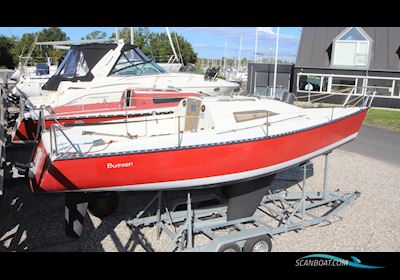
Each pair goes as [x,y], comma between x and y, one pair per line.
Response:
[208,42]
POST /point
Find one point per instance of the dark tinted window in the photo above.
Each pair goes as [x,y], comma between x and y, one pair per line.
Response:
[161,100]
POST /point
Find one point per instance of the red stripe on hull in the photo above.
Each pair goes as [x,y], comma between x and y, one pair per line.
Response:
[203,162]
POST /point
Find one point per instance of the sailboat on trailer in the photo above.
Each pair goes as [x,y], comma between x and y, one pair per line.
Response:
[206,141]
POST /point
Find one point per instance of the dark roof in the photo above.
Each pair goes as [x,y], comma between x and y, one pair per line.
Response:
[316,45]
[94,52]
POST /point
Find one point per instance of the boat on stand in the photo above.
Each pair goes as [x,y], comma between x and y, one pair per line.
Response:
[236,143]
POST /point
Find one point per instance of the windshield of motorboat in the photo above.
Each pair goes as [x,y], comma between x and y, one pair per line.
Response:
[134,62]
[74,64]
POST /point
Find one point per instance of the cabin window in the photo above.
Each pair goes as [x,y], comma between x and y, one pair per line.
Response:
[252,115]
[74,64]
[82,68]
[69,69]
[133,62]
[351,48]
[128,98]
[161,100]
[70,55]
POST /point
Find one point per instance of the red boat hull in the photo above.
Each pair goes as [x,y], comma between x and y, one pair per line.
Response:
[195,166]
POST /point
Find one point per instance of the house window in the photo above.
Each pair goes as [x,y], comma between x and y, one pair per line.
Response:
[382,87]
[343,84]
[312,83]
[351,48]
[396,91]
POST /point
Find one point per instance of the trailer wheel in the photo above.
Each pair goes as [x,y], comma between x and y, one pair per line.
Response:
[258,244]
[230,247]
[103,204]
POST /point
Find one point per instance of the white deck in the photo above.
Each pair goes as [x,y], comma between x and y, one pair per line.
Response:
[217,124]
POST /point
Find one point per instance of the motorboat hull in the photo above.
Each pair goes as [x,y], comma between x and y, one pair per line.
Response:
[191,166]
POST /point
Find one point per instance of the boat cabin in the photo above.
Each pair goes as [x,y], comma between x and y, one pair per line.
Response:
[84,62]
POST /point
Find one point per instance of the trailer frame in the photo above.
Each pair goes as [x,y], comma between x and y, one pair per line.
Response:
[291,211]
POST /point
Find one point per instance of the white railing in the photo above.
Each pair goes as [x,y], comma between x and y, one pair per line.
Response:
[356,96]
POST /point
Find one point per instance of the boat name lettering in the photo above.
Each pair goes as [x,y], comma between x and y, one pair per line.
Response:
[111,165]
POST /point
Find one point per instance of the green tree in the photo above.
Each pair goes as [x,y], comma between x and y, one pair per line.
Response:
[6,57]
[157,44]
[97,34]
[142,35]
[24,45]
[52,34]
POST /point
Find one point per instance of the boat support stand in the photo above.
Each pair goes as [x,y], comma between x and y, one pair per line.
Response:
[76,205]
[3,134]
[279,212]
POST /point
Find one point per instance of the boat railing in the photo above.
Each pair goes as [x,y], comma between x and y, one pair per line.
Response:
[268,92]
[180,130]
[53,129]
[180,127]
[362,96]
[58,127]
[356,97]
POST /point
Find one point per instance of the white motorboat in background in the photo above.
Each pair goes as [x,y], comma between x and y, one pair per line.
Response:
[171,67]
[97,72]
[31,79]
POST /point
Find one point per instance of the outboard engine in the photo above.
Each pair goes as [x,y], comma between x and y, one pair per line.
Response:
[211,73]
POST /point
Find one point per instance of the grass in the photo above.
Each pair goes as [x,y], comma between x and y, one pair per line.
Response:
[387,119]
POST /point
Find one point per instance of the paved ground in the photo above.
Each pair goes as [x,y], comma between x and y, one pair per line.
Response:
[33,221]
[377,143]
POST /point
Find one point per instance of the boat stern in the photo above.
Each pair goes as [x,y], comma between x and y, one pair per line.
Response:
[38,170]
[24,131]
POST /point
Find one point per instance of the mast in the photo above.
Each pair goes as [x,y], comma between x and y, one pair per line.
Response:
[255,48]
[132,37]
[30,51]
[117,33]
[225,56]
[240,52]
[179,48]
[170,42]
[276,59]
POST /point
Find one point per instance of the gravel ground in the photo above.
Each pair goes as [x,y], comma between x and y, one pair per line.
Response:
[32,221]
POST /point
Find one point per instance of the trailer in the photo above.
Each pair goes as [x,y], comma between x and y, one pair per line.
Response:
[279,212]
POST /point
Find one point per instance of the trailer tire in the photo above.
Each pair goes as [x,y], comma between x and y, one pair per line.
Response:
[229,247]
[258,244]
[103,204]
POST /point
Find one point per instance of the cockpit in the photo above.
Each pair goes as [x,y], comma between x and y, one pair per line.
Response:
[134,62]
[81,59]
